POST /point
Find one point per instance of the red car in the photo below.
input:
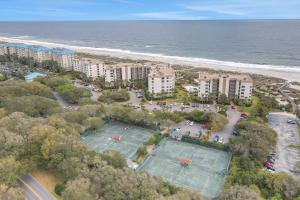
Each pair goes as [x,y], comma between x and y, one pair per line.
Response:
[268,164]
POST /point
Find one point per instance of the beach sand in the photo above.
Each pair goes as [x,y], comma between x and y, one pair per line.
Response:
[282,72]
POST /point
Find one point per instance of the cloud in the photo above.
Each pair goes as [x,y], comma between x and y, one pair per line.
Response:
[246,8]
[217,9]
[170,15]
[51,12]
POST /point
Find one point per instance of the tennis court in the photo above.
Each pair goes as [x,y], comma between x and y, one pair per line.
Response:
[205,174]
[131,138]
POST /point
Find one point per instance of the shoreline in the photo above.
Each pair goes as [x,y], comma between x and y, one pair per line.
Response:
[288,73]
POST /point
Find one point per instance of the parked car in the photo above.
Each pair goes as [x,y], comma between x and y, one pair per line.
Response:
[270,159]
[135,106]
[267,164]
[191,123]
[232,107]
[216,138]
[290,121]
[221,140]
[236,133]
[187,122]
[244,116]
[270,168]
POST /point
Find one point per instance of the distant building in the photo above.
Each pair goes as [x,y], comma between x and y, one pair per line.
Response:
[91,67]
[161,80]
[63,57]
[233,86]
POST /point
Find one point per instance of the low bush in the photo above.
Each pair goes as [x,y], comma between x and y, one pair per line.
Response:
[155,139]
[142,151]
[117,96]
[59,188]
[72,94]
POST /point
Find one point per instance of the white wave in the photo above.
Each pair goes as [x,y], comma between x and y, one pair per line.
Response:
[25,37]
[227,65]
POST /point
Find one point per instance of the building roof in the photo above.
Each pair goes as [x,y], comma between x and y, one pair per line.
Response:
[210,76]
[39,48]
[58,51]
[92,60]
[161,71]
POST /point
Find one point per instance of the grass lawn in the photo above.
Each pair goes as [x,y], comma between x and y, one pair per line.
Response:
[47,179]
[181,94]
[255,101]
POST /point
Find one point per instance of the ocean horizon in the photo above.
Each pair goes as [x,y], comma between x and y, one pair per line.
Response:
[259,43]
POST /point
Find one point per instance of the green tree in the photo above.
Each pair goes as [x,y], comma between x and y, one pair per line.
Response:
[10,170]
[240,193]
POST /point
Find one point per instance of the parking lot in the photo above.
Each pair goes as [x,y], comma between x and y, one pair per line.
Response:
[152,106]
[191,128]
[233,117]
[95,94]
[287,151]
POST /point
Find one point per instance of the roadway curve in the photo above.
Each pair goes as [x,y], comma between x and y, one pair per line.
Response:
[33,190]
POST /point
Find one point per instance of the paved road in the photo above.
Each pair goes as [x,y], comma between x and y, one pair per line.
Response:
[233,117]
[33,190]
[288,135]
[95,95]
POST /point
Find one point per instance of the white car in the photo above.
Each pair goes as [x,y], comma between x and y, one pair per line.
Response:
[191,123]
[291,121]
[221,141]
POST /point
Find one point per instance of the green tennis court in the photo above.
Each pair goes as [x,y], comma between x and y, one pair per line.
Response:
[132,137]
[205,174]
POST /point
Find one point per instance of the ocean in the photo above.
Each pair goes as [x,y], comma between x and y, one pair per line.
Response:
[261,42]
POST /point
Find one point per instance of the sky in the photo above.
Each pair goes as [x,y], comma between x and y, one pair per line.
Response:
[73,10]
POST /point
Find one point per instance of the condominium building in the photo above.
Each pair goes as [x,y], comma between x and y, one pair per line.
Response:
[126,72]
[63,57]
[161,80]
[233,86]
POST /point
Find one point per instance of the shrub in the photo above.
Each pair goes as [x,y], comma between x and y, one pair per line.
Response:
[214,121]
[142,151]
[114,158]
[59,188]
[256,140]
[72,94]
[173,116]
[111,96]
[155,139]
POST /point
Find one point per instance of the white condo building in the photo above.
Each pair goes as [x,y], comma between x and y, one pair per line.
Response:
[161,80]
[126,72]
[91,67]
[233,86]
